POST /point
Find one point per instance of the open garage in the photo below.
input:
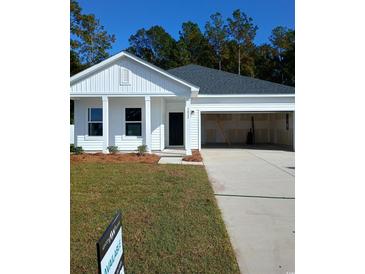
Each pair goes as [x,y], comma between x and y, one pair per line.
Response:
[228,129]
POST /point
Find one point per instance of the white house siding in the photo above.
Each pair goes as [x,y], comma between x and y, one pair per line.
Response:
[117,136]
[243,103]
[80,117]
[194,130]
[72,134]
[142,81]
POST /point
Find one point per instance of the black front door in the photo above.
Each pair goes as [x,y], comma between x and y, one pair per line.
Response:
[176,129]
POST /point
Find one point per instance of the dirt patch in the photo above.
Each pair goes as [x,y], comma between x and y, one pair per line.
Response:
[194,157]
[115,158]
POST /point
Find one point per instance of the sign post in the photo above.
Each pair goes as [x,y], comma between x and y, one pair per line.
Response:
[110,248]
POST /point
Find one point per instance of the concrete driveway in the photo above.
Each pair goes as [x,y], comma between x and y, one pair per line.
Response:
[255,192]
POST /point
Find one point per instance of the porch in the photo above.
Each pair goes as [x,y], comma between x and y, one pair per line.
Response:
[160,122]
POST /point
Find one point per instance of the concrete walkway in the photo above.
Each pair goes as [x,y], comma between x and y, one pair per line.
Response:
[177,161]
[254,189]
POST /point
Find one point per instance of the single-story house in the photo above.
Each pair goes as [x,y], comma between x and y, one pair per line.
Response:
[125,101]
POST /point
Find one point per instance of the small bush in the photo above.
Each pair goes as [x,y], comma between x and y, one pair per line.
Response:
[72,148]
[113,149]
[79,150]
[142,149]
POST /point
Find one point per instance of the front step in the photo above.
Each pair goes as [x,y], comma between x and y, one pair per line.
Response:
[171,153]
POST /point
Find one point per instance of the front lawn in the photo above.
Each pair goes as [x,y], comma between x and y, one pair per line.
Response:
[171,223]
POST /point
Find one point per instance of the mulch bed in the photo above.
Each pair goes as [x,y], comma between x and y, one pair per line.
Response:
[195,157]
[115,158]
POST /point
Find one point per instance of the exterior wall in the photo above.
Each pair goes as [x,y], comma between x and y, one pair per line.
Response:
[269,127]
[117,136]
[142,81]
[88,143]
[72,134]
[194,130]
[278,132]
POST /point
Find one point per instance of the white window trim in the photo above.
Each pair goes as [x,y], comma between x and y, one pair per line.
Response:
[87,136]
[127,122]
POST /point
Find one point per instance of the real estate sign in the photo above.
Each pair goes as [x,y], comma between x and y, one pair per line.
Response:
[110,248]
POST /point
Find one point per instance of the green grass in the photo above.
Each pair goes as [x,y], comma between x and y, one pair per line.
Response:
[171,223]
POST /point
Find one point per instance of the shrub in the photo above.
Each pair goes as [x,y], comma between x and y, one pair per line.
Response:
[142,150]
[72,148]
[112,149]
[78,150]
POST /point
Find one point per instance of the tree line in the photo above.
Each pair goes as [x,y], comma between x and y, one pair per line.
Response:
[224,43]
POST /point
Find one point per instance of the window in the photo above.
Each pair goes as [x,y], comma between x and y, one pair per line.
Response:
[287,121]
[133,122]
[95,121]
[124,76]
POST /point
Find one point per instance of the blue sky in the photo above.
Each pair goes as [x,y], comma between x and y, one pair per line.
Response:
[123,18]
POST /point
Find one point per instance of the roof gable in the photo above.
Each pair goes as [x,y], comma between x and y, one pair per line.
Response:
[78,78]
[218,82]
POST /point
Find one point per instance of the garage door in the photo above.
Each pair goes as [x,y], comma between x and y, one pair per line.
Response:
[232,129]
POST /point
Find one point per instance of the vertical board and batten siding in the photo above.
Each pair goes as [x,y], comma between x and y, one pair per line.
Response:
[142,81]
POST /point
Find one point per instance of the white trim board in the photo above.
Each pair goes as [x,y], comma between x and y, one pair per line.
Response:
[243,95]
[118,94]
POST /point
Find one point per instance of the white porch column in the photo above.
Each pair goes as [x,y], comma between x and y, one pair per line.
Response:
[75,120]
[147,115]
[162,127]
[187,126]
[105,100]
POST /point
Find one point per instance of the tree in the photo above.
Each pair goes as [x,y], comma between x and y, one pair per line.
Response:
[230,57]
[193,46]
[243,31]
[283,42]
[265,63]
[155,45]
[216,33]
[89,40]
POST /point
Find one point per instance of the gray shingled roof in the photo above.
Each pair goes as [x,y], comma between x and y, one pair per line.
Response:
[212,81]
